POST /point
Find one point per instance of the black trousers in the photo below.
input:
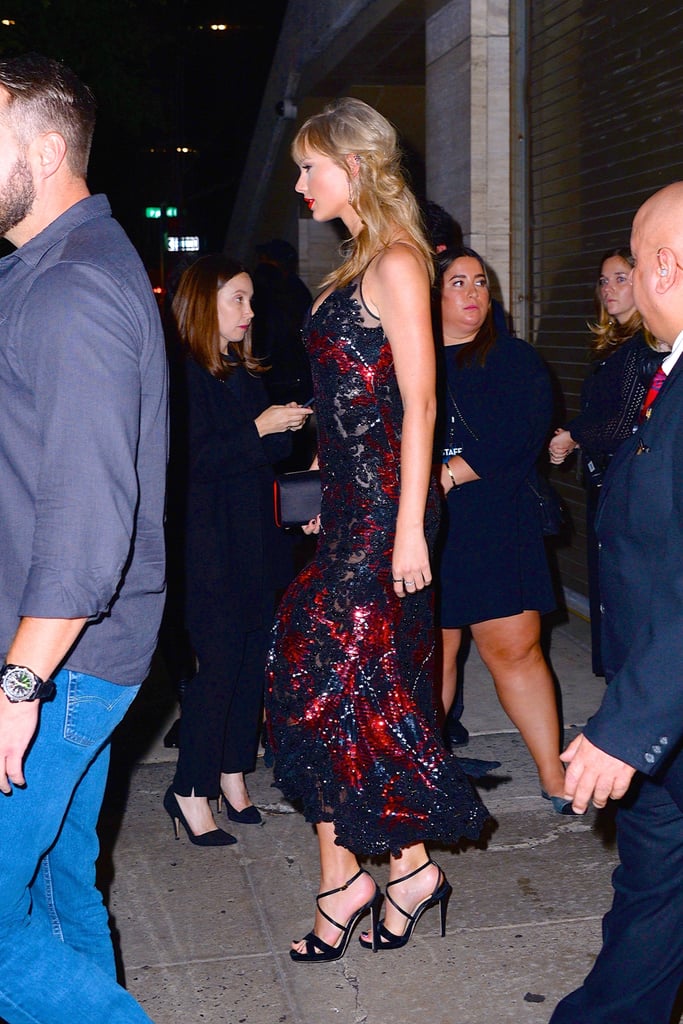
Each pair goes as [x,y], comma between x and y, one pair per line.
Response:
[220,723]
[639,969]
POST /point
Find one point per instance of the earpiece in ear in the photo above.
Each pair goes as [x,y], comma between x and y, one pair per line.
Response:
[663,271]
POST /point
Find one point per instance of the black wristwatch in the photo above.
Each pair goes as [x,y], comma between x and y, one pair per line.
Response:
[19,683]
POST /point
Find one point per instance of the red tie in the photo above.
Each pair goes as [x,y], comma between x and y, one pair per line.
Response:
[655,388]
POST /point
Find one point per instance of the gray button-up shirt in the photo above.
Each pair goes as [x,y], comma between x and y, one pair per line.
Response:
[83,441]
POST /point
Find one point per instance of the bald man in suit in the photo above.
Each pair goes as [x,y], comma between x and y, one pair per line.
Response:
[632,749]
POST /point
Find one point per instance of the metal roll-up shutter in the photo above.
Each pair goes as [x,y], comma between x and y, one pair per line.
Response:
[605,95]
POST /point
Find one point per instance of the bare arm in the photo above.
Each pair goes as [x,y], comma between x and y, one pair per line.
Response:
[398,285]
[460,471]
[41,645]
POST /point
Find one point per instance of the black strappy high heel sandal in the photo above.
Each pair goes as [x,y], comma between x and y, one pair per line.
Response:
[318,951]
[382,938]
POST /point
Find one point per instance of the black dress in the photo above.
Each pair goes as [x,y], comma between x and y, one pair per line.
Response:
[350,678]
[491,555]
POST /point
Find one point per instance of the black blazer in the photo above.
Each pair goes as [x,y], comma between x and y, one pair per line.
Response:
[640,530]
[234,555]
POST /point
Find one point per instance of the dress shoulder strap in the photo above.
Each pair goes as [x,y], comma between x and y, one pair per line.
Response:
[398,241]
[361,297]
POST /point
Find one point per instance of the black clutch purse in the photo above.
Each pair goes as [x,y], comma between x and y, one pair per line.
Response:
[296,497]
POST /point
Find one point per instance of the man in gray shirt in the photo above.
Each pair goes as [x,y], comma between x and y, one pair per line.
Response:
[83,434]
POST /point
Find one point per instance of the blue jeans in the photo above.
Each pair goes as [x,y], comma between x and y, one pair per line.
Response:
[56,957]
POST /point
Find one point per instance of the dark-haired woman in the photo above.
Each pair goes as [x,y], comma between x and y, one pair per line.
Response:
[493,575]
[234,559]
[624,359]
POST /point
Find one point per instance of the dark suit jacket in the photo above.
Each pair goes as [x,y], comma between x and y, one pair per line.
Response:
[640,529]
[234,555]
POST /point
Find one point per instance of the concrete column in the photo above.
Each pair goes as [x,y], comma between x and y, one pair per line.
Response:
[468,125]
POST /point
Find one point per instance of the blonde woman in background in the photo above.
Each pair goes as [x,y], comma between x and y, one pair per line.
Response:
[623,361]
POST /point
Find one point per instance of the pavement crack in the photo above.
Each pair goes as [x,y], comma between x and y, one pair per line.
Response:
[360,1015]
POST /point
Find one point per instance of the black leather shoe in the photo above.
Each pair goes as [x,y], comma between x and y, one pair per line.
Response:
[247,816]
[214,837]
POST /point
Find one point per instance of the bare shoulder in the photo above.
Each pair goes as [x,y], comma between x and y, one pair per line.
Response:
[401,257]
[395,272]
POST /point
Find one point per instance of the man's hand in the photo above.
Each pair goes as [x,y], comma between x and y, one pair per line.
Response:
[593,775]
[18,723]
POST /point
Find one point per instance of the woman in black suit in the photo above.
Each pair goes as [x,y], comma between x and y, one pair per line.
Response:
[493,575]
[235,559]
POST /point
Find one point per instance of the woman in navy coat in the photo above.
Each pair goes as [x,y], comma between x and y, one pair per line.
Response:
[624,359]
[235,559]
[493,574]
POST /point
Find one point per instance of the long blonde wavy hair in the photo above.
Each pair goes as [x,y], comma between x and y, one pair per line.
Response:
[380,195]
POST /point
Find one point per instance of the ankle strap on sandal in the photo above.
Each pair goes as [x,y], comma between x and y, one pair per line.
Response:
[411,873]
[331,892]
[403,879]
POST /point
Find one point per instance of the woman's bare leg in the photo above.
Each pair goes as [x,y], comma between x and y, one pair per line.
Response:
[511,650]
[450,645]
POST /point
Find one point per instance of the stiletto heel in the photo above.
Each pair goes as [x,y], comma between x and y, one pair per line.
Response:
[382,938]
[215,837]
[443,908]
[247,816]
[318,951]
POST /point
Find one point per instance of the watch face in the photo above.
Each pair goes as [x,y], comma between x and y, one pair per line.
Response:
[18,684]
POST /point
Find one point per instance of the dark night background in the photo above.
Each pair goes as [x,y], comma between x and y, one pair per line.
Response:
[163,79]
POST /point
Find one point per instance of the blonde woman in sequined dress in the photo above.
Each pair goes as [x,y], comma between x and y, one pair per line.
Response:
[351,712]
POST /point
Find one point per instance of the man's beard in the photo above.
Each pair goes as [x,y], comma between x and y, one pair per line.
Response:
[17,196]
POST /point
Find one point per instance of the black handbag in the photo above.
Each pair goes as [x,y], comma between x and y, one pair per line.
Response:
[296,497]
[550,507]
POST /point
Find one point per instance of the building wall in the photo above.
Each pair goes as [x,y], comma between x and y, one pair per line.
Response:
[605,103]
[316,35]
[468,125]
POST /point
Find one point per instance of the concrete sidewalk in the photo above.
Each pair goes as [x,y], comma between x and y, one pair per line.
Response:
[204,933]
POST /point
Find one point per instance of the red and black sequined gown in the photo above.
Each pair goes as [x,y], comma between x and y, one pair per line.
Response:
[350,676]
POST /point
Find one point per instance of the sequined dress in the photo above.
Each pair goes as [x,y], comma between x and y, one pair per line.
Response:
[350,708]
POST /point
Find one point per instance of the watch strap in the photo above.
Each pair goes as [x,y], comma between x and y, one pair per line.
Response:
[44,689]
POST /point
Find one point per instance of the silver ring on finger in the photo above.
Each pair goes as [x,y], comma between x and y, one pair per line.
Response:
[409,583]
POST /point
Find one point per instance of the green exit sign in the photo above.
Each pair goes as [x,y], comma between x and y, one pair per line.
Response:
[155,212]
